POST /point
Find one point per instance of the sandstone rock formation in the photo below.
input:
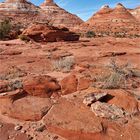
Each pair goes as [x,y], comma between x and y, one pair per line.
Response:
[106,14]
[18,105]
[118,21]
[18,6]
[41,86]
[135,12]
[58,16]
[45,33]
[23,11]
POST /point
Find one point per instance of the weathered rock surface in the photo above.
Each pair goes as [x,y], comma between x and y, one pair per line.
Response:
[69,84]
[7,132]
[18,105]
[45,33]
[84,83]
[107,110]
[76,121]
[93,97]
[76,118]
[41,86]
[124,100]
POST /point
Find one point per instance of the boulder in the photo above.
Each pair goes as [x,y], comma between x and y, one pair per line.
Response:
[17,104]
[83,83]
[72,120]
[42,86]
[123,99]
[69,84]
[40,32]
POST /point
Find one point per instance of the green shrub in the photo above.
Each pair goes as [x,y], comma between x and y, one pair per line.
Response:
[24,38]
[90,34]
[5,28]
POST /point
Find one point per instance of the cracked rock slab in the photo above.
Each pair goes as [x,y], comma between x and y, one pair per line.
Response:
[108,111]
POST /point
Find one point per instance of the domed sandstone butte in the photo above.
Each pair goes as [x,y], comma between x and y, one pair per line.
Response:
[22,11]
[18,6]
[108,20]
[58,16]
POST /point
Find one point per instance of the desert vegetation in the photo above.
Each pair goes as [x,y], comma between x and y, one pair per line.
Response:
[63,64]
[5,28]
[119,76]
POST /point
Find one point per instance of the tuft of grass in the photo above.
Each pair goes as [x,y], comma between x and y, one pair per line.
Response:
[63,64]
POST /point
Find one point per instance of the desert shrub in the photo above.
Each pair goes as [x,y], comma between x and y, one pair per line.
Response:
[63,64]
[24,38]
[90,34]
[118,76]
[5,28]
[13,73]
[13,85]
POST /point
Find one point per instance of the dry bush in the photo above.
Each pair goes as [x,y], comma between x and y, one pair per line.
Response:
[13,73]
[119,76]
[16,84]
[63,64]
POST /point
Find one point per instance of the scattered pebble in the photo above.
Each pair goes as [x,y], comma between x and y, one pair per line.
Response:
[1,125]
[41,128]
[23,131]
[18,127]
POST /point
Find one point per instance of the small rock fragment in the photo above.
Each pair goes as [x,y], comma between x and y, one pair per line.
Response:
[41,128]
[93,97]
[18,127]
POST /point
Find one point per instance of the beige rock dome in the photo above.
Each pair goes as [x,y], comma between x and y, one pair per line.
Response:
[58,16]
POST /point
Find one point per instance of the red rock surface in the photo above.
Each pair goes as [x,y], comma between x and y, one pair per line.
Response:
[7,132]
[42,86]
[45,33]
[17,105]
[65,116]
[69,84]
